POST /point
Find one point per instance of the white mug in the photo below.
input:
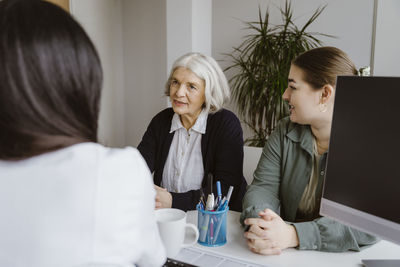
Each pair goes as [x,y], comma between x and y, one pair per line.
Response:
[172,227]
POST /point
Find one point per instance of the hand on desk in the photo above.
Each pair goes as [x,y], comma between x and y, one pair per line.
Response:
[269,234]
[163,198]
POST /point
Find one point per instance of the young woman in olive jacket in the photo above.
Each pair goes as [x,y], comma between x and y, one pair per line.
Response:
[289,176]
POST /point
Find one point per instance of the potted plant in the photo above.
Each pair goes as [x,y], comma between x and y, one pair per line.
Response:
[262,64]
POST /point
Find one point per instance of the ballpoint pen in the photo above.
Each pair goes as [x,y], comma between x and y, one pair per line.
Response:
[220,208]
[219,194]
[228,196]
[202,197]
[217,230]
[203,204]
[221,218]
[225,201]
[206,221]
[211,231]
[200,204]
[221,204]
[210,181]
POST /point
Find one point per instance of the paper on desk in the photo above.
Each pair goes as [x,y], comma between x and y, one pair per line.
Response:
[205,258]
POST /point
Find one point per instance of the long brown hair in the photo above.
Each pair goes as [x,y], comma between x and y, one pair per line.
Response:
[50,80]
[322,65]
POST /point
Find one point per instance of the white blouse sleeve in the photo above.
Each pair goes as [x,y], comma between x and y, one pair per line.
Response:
[125,229]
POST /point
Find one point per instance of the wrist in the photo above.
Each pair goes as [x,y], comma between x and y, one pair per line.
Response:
[294,239]
[170,199]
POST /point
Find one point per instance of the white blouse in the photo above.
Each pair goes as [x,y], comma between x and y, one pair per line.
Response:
[85,205]
[183,169]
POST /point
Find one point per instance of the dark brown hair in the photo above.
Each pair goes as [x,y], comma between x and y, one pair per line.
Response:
[322,65]
[50,80]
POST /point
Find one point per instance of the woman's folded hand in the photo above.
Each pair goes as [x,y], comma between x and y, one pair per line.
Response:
[269,234]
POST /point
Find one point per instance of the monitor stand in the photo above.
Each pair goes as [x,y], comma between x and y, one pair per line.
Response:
[381,263]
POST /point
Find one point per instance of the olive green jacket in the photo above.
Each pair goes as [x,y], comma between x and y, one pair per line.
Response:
[282,174]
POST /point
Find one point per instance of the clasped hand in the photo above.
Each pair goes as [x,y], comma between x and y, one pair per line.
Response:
[269,234]
[163,198]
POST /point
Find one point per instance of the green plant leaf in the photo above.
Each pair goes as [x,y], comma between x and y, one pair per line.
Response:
[262,63]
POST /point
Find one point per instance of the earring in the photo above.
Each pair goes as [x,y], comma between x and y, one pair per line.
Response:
[322,107]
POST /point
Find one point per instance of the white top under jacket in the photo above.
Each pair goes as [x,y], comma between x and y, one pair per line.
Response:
[85,205]
[183,169]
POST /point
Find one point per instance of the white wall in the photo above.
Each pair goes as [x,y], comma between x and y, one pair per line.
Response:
[145,66]
[387,44]
[131,38]
[350,21]
[102,21]
[202,26]
[139,39]
[179,35]
[188,28]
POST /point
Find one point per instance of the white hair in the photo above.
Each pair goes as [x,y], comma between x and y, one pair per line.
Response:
[217,91]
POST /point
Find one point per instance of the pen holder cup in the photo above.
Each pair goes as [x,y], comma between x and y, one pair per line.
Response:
[212,227]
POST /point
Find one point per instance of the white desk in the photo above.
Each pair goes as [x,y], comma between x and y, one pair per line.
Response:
[236,247]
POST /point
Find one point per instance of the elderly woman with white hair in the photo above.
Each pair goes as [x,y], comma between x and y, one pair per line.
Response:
[184,144]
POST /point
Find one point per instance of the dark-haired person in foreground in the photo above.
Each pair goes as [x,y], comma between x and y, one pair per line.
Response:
[290,173]
[65,200]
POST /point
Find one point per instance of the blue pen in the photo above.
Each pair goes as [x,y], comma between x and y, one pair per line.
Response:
[223,206]
[219,194]
[221,203]
[218,228]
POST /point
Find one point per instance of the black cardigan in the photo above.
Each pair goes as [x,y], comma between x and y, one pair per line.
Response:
[221,148]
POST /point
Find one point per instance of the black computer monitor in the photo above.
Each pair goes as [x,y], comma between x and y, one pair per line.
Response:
[362,183]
